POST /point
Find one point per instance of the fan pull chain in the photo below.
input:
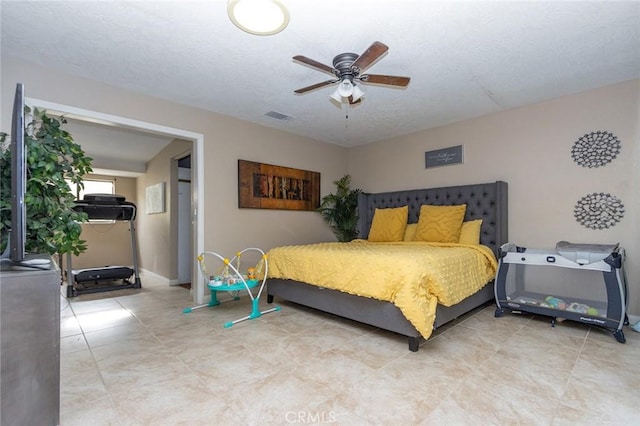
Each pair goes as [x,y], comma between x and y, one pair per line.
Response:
[346,116]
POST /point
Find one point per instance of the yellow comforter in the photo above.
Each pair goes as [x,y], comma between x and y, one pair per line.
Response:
[414,276]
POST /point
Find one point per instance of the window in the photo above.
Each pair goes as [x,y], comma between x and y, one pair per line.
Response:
[93,186]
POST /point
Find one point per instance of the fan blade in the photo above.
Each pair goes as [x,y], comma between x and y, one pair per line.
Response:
[314,64]
[391,80]
[315,86]
[370,55]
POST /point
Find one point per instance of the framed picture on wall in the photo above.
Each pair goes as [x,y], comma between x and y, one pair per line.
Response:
[154,198]
[444,156]
[267,186]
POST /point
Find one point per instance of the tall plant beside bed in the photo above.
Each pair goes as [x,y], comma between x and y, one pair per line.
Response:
[340,210]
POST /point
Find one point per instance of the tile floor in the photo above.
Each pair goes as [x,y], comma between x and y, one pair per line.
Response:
[132,357]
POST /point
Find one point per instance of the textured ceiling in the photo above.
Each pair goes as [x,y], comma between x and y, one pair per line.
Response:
[465,59]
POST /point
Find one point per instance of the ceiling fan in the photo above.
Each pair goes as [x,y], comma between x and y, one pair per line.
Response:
[347,69]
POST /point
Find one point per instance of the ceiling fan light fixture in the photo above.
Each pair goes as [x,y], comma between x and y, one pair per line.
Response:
[336,95]
[345,88]
[258,17]
[357,93]
[347,70]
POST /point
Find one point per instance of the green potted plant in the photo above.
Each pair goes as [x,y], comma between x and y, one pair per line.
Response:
[53,159]
[340,210]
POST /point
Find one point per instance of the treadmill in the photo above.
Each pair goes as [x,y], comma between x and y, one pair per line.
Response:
[110,277]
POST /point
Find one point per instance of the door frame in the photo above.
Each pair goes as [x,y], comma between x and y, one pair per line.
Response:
[197,159]
[175,169]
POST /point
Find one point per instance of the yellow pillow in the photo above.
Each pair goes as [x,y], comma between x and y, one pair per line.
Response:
[410,232]
[470,232]
[440,224]
[389,224]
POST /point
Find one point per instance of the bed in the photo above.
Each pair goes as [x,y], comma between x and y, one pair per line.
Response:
[483,201]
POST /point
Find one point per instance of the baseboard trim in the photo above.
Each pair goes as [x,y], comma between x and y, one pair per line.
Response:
[156,276]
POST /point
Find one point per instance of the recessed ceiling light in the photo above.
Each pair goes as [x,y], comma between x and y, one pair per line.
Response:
[259,17]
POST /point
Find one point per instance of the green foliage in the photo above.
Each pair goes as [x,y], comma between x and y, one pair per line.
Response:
[340,210]
[52,156]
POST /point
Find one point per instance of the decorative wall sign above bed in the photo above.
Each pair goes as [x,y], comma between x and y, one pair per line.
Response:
[265,186]
[595,149]
[444,156]
[598,210]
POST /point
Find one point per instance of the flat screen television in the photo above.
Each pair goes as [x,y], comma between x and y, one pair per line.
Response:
[15,250]
[15,255]
[18,178]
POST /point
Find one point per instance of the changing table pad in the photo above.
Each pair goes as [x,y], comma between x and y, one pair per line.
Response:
[584,254]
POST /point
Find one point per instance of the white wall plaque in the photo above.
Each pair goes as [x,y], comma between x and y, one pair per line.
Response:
[155,198]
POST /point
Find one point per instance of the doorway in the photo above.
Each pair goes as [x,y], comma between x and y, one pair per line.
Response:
[185,223]
[197,171]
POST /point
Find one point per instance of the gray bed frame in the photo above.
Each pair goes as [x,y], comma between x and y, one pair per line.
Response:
[484,201]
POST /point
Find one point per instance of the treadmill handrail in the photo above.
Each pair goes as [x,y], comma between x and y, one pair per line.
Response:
[121,212]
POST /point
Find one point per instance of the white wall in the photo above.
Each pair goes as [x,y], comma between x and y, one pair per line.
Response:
[530,148]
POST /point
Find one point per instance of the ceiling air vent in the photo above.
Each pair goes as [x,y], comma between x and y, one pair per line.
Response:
[278,116]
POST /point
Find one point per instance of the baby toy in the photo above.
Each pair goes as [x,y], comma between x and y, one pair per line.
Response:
[578,307]
[593,312]
[251,273]
[556,303]
[228,279]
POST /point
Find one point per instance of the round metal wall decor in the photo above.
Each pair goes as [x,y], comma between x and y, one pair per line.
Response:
[595,149]
[598,210]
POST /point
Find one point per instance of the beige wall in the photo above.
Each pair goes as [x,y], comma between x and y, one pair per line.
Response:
[108,244]
[530,148]
[158,231]
[227,228]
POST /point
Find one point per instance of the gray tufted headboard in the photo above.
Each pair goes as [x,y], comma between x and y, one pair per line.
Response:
[486,201]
